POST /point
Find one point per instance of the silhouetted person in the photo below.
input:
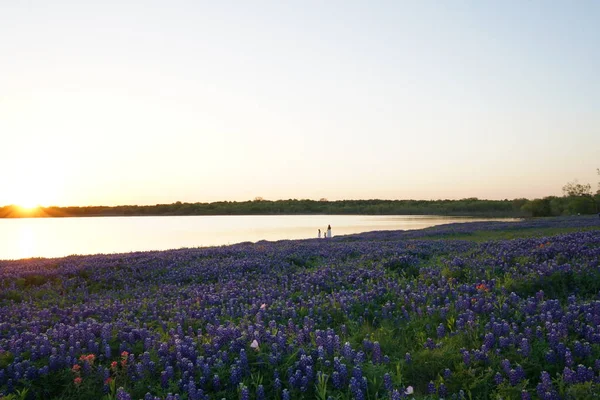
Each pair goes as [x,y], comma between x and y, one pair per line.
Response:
[329,231]
[319,234]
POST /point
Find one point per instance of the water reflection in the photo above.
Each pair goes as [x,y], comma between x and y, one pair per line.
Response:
[26,242]
[55,237]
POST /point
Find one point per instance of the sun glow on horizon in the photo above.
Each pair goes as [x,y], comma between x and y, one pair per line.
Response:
[28,206]
[31,195]
[30,190]
[37,176]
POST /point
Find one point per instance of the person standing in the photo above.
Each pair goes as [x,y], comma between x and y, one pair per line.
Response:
[329,231]
[319,234]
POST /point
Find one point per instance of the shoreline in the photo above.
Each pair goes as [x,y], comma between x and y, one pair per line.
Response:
[450,229]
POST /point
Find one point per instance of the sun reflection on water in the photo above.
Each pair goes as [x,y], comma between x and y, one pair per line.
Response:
[27,242]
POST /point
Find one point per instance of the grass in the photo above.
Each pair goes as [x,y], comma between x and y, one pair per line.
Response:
[509,234]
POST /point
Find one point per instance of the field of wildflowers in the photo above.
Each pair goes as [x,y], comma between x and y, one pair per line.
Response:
[473,311]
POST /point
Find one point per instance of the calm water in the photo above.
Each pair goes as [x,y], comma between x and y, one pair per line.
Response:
[56,237]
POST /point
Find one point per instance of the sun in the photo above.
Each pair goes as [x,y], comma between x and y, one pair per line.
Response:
[35,180]
[27,206]
[26,202]
[32,193]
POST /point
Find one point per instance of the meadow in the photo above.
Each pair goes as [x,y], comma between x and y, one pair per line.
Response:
[485,310]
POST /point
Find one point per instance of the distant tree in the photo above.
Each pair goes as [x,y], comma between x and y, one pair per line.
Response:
[581,198]
[574,189]
[258,198]
[538,207]
[323,199]
[558,205]
[518,203]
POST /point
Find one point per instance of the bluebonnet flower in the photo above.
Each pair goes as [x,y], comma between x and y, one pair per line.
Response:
[359,357]
[447,373]
[466,357]
[430,344]
[431,388]
[387,382]
[336,380]
[377,356]
[442,390]
[164,379]
[516,375]
[489,340]
[236,375]
[122,394]
[216,382]
[568,358]
[525,347]
[244,392]
[550,357]
[260,392]
[569,376]
[356,389]
[441,331]
[581,373]
[505,364]
[498,379]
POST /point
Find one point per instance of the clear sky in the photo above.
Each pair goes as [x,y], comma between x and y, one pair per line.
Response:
[121,102]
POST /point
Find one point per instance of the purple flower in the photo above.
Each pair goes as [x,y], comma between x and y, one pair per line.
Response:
[441,331]
[356,388]
[260,392]
[244,392]
[336,380]
[387,382]
[377,356]
[569,376]
[122,394]
[442,390]
[431,388]
[498,379]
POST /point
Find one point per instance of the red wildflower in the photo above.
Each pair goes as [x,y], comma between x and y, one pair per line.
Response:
[483,287]
[77,381]
[76,368]
[124,358]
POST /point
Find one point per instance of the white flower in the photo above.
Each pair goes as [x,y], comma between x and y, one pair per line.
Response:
[254,345]
[409,390]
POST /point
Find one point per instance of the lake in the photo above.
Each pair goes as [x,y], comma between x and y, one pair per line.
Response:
[57,237]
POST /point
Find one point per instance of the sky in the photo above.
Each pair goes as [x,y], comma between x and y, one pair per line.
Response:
[147,102]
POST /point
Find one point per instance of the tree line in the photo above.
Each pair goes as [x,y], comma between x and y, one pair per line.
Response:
[577,199]
[471,206]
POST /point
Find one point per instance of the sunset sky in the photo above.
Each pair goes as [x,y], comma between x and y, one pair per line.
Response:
[121,102]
